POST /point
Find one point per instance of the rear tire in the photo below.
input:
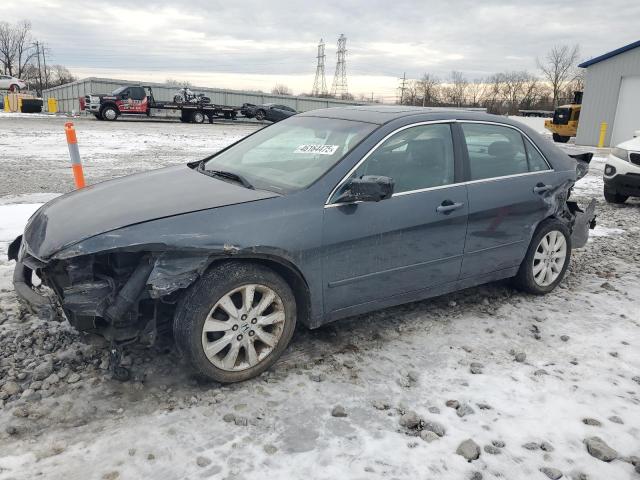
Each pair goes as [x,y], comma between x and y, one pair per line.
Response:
[613,197]
[197,117]
[14,88]
[560,138]
[201,320]
[544,267]
[260,115]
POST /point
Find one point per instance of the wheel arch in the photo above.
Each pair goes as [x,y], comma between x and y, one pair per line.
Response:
[109,104]
[288,271]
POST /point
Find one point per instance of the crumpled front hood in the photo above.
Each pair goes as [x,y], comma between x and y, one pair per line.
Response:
[125,201]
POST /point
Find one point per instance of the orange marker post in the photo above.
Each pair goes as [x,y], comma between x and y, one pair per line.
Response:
[74,154]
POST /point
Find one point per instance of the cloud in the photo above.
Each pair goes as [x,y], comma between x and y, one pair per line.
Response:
[276,40]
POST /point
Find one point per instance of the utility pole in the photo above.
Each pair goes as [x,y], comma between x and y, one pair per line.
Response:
[339,87]
[39,68]
[44,63]
[403,86]
[320,84]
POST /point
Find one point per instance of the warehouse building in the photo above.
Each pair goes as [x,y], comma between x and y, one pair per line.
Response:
[611,95]
[71,95]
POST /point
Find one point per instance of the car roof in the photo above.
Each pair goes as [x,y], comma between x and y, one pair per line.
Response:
[381,114]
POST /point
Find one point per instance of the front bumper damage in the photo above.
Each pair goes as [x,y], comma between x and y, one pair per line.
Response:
[124,296]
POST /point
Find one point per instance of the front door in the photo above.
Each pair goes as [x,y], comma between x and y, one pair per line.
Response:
[409,242]
[508,187]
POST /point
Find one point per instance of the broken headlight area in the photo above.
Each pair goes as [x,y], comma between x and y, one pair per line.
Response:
[122,296]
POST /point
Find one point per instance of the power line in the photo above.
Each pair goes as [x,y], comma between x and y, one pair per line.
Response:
[320,84]
[339,88]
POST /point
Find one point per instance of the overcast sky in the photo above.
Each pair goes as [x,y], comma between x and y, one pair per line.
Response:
[256,43]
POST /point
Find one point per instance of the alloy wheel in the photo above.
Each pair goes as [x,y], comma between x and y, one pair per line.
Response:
[549,259]
[243,327]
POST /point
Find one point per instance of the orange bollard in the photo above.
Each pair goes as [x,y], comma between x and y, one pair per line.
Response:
[74,154]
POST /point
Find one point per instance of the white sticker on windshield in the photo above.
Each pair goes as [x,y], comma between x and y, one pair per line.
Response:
[317,149]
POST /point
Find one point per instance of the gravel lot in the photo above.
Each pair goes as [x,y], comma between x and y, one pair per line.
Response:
[486,383]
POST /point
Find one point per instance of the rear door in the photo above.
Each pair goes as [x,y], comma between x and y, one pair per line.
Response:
[409,242]
[508,182]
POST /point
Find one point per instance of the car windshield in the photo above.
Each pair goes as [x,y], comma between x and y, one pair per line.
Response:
[292,154]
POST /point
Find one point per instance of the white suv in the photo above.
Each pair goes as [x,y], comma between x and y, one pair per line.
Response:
[622,172]
[7,82]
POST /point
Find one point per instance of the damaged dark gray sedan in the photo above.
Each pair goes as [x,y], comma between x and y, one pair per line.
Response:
[325,215]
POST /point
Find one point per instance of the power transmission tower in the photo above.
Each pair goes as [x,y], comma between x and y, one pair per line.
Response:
[320,84]
[339,87]
[403,86]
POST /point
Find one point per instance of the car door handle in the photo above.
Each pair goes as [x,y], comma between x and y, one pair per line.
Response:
[541,188]
[448,206]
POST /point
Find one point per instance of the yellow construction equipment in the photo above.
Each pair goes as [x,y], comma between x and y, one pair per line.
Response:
[564,124]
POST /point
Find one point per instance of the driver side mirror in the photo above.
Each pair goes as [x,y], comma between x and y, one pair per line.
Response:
[368,188]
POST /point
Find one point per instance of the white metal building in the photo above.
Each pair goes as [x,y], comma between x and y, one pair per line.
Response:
[69,95]
[612,95]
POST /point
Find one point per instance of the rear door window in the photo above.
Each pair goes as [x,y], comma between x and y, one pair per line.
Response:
[536,162]
[494,151]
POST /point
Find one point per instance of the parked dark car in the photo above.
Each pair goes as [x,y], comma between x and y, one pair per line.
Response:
[246,110]
[328,214]
[270,112]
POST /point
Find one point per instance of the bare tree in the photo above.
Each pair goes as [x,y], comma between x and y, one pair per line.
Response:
[16,48]
[59,75]
[456,88]
[475,92]
[512,88]
[493,94]
[281,89]
[558,67]
[532,92]
[410,95]
[428,87]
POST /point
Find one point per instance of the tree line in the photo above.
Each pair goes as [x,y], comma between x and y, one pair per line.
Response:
[24,57]
[504,92]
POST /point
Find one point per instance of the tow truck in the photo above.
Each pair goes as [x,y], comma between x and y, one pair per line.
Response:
[138,100]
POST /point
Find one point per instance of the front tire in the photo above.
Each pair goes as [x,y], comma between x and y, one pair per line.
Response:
[260,115]
[613,197]
[235,322]
[547,258]
[560,138]
[109,113]
[14,88]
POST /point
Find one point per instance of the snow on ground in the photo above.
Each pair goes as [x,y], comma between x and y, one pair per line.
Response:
[536,123]
[40,162]
[548,372]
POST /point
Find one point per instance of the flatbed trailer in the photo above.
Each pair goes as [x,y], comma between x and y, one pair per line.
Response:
[536,113]
[138,100]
